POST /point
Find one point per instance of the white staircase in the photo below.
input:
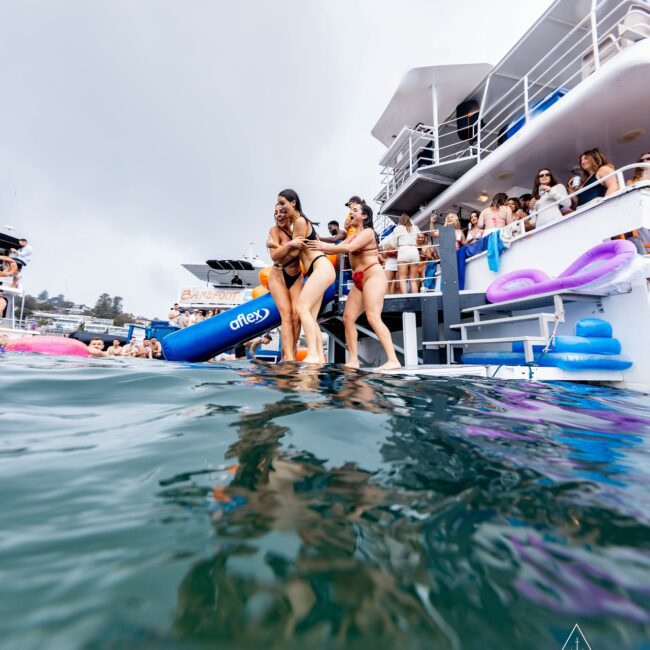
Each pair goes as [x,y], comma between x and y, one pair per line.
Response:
[543,310]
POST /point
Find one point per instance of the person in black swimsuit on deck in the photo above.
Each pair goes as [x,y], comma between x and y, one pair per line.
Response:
[285,280]
[319,271]
[595,165]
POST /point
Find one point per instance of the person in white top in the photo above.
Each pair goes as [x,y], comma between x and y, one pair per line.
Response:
[404,239]
[22,256]
[546,192]
[451,219]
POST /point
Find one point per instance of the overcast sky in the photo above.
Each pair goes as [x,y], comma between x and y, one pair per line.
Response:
[137,135]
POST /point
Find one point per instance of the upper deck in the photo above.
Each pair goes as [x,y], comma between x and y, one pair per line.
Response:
[560,63]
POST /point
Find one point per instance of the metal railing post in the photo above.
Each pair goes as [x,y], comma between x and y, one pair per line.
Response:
[436,135]
[450,287]
[594,34]
[411,154]
[481,112]
[526,107]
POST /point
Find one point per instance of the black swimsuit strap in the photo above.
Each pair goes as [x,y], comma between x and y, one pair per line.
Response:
[286,232]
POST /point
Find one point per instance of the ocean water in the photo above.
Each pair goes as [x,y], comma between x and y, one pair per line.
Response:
[152,505]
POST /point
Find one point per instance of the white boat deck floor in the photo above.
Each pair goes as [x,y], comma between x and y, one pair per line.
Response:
[525,373]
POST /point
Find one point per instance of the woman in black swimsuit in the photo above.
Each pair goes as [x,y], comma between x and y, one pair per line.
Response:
[320,275]
[285,281]
[595,165]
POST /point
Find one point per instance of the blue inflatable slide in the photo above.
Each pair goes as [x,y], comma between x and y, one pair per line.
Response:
[215,335]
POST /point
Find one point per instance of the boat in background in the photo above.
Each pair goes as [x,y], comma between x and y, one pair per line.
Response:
[11,289]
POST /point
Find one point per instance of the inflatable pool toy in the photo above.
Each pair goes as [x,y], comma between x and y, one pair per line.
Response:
[54,345]
[264,276]
[593,348]
[562,360]
[259,291]
[595,267]
[215,335]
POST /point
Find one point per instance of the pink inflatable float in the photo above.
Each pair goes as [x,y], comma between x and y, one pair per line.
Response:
[56,345]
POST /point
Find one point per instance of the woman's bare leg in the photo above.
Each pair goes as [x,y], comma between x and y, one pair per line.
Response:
[390,277]
[314,313]
[312,294]
[374,290]
[294,293]
[414,278]
[281,297]
[402,274]
[353,309]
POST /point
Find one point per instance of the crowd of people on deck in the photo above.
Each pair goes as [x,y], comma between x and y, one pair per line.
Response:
[405,261]
[134,349]
[182,317]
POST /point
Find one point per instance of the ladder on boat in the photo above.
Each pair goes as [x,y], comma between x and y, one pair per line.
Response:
[504,313]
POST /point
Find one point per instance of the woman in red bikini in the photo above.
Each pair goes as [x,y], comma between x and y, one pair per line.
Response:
[285,280]
[369,289]
[318,269]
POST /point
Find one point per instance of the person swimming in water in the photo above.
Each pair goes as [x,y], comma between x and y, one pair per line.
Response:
[319,271]
[285,280]
[370,285]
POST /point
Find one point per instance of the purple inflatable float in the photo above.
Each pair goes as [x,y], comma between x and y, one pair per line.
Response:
[596,266]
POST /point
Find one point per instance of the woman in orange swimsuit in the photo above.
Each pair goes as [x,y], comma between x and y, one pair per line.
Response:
[318,269]
[370,286]
[285,280]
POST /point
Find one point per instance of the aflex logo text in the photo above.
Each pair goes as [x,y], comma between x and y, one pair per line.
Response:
[248,319]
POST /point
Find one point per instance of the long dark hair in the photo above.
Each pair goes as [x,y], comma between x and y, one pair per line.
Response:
[552,182]
[366,211]
[292,195]
[498,200]
[597,157]
[638,172]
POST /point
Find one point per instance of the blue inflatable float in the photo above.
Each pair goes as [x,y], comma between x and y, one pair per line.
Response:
[213,336]
[593,348]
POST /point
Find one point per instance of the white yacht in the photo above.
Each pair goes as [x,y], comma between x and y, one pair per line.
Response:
[13,292]
[456,135]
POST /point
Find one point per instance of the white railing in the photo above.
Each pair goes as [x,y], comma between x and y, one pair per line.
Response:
[598,36]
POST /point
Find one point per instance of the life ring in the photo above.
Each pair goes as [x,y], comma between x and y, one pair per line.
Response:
[13,267]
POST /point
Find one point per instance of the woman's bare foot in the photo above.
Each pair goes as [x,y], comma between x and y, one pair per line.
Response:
[353,363]
[314,361]
[390,365]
